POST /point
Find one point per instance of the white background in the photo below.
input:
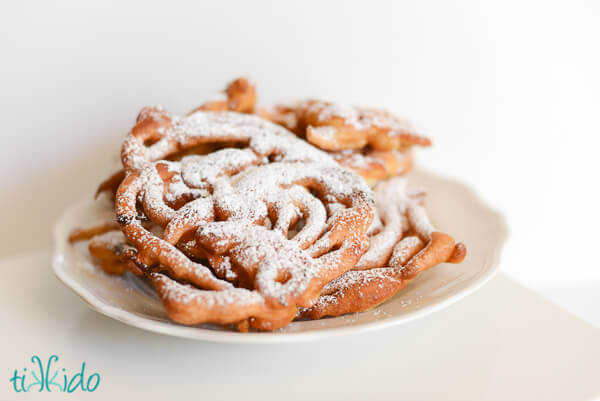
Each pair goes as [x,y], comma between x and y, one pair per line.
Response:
[509,91]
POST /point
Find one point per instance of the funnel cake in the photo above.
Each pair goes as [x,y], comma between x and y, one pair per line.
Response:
[334,127]
[402,244]
[375,143]
[237,206]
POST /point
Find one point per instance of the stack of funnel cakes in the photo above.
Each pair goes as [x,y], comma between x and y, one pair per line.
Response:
[238,221]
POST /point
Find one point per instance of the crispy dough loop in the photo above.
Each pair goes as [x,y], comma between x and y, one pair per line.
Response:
[81,234]
[240,96]
[375,165]
[113,252]
[303,205]
[111,184]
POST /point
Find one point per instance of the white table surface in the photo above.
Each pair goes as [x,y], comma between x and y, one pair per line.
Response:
[501,343]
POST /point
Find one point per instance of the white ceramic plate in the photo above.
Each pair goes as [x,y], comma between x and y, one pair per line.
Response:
[452,207]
